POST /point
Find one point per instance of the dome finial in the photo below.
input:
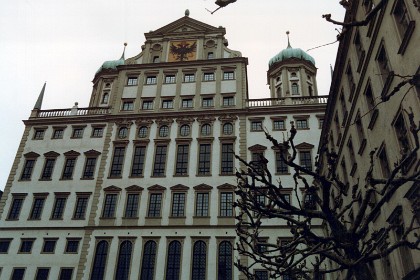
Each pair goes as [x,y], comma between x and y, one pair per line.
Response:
[187,13]
[288,41]
[122,56]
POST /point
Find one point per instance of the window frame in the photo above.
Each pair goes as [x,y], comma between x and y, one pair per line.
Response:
[209,77]
[151,80]
[58,215]
[15,209]
[147,104]
[167,104]
[182,159]
[52,242]
[170,79]
[80,209]
[204,164]
[37,209]
[228,101]
[159,160]
[228,75]
[72,245]
[117,164]
[132,81]
[189,78]
[24,242]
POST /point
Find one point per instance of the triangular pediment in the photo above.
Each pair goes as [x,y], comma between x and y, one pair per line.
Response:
[134,188]
[304,146]
[31,155]
[203,187]
[257,147]
[156,188]
[226,186]
[112,189]
[180,187]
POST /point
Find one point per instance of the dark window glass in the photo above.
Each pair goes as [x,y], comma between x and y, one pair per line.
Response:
[305,159]
[147,105]
[401,17]
[178,204]
[68,168]
[207,102]
[27,169]
[99,263]
[15,208]
[77,133]
[224,261]
[42,273]
[226,204]
[143,132]
[199,261]
[151,80]
[227,129]
[228,101]
[49,246]
[132,205]
[281,166]
[26,246]
[189,78]
[97,132]
[117,162]
[187,103]
[310,201]
[105,98]
[295,89]
[227,158]
[279,125]
[167,104]
[160,160]
[132,81]
[58,134]
[228,75]
[204,163]
[109,205]
[205,129]
[37,208]
[164,131]
[4,246]
[48,169]
[123,132]
[128,106]
[173,261]
[256,126]
[89,168]
[66,273]
[124,260]
[184,130]
[138,161]
[58,210]
[261,275]
[18,274]
[202,205]
[148,261]
[182,160]
[210,55]
[208,77]
[301,124]
[155,205]
[169,79]
[39,134]
[72,246]
[81,205]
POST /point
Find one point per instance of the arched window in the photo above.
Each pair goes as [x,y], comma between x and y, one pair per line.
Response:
[224,263]
[295,89]
[124,259]
[99,263]
[149,259]
[205,129]
[142,132]
[199,261]
[184,130]
[293,74]
[105,98]
[173,262]
[310,90]
[123,132]
[227,129]
[278,91]
[164,131]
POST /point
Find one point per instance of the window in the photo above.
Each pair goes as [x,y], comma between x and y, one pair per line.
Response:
[205,130]
[187,103]
[58,133]
[160,161]
[151,80]
[228,75]
[89,170]
[156,59]
[39,134]
[80,208]
[208,77]
[204,163]
[402,134]
[49,245]
[68,169]
[178,205]
[189,78]
[18,274]
[77,133]
[147,105]
[256,126]
[173,262]
[359,49]
[310,91]
[58,209]
[279,125]
[402,18]
[105,98]
[224,261]
[37,207]
[295,89]
[302,124]
[199,261]
[117,162]
[99,263]
[97,132]
[227,129]
[184,130]
[72,245]
[309,201]
[132,206]
[27,169]
[132,81]
[207,102]
[124,260]
[66,273]
[109,205]
[305,159]
[48,169]
[138,161]
[128,105]
[281,166]
[42,273]
[210,55]
[181,167]
[383,63]
[226,204]
[169,79]
[15,208]
[202,205]
[167,104]
[148,261]
[228,101]
[143,132]
[227,159]
[383,160]
[123,132]
[26,245]
[350,81]
[257,161]
[4,245]
[155,205]
[261,275]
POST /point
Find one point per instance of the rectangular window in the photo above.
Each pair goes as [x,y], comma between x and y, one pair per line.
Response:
[256,126]
[208,77]
[302,124]
[204,163]
[207,102]
[210,55]
[58,133]
[178,205]
[261,275]
[26,245]
[4,245]
[39,134]
[305,159]
[128,106]
[167,104]
[48,169]
[49,245]
[281,166]
[155,205]
[117,162]
[66,274]
[350,80]
[189,78]
[27,169]
[42,273]
[383,159]
[151,80]
[187,103]
[202,205]
[58,209]
[383,63]
[37,207]
[309,201]
[402,134]
[226,204]
[132,81]
[132,206]
[147,105]
[97,132]
[68,169]
[109,205]
[15,208]
[89,171]
[182,160]
[138,161]
[229,75]
[80,208]
[279,125]
[18,273]
[256,161]
[169,79]
[229,101]
[77,133]
[156,59]
[227,159]
[72,246]
[402,18]
[160,161]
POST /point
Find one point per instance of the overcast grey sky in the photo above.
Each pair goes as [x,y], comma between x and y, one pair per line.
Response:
[65,42]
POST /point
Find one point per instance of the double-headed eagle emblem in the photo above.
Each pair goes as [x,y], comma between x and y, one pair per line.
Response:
[182,49]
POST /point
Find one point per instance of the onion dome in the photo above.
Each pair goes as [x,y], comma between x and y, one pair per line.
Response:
[112,64]
[290,52]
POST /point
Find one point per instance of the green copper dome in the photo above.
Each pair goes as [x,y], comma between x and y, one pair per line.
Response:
[111,64]
[290,52]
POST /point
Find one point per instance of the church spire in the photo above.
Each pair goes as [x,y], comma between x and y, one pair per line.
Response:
[38,103]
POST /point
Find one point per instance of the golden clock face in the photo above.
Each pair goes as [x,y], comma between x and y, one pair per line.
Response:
[182,50]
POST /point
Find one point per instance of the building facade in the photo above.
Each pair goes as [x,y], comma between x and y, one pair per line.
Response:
[371,61]
[140,184]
